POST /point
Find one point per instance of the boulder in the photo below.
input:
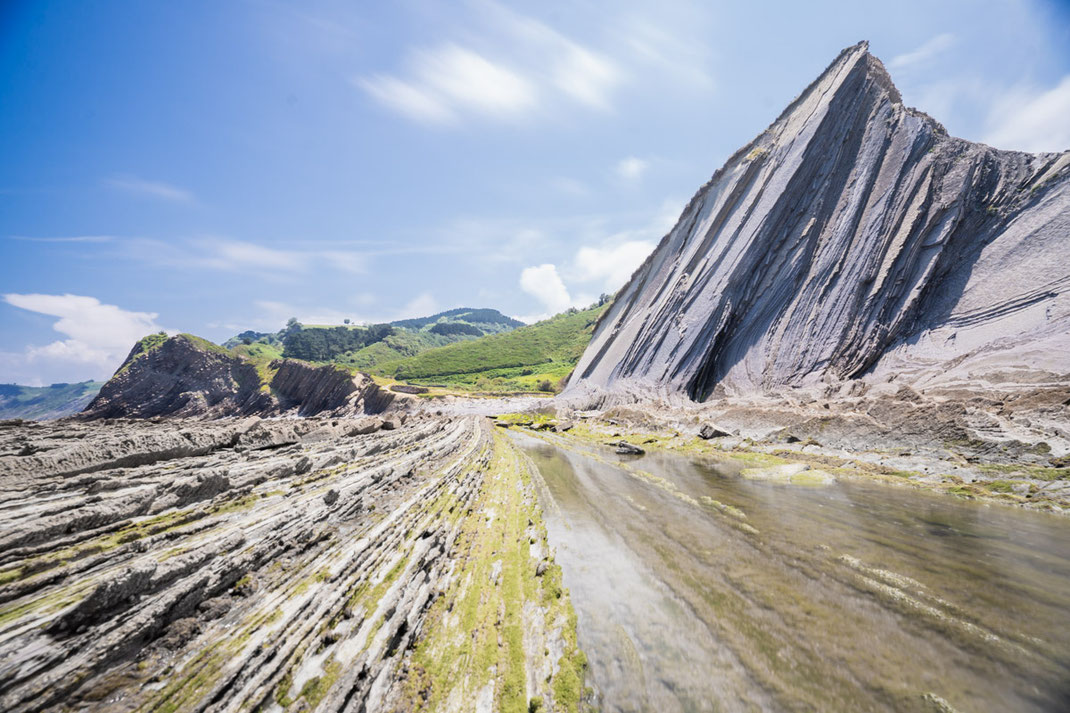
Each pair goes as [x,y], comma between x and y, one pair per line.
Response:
[627,449]
[711,430]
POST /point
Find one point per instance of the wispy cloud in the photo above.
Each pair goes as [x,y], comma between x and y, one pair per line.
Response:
[920,55]
[603,264]
[227,254]
[521,74]
[151,189]
[98,335]
[273,314]
[452,81]
[631,168]
[1030,119]
[67,239]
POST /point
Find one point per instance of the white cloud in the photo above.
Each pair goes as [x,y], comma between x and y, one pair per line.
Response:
[924,53]
[453,81]
[99,336]
[423,305]
[603,265]
[413,101]
[612,265]
[631,168]
[1032,120]
[544,284]
[152,189]
[225,254]
[511,67]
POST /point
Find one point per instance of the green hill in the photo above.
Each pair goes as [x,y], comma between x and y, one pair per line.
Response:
[364,347]
[461,349]
[46,402]
[518,360]
[488,321]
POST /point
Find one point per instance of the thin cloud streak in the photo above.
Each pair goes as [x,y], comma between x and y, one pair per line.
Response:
[151,189]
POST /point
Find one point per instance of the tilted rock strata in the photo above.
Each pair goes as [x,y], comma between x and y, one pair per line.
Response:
[853,239]
[301,573]
[182,378]
[329,390]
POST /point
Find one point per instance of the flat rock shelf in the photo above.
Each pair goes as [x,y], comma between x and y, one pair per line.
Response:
[277,566]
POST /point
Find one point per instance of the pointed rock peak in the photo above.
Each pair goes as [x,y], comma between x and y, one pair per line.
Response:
[858,56]
[841,75]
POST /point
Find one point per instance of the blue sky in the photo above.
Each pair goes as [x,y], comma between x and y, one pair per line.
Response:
[212,166]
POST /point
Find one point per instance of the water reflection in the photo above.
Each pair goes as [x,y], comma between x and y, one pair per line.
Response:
[699,590]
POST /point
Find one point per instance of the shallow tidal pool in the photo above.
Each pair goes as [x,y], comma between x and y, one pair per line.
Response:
[699,590]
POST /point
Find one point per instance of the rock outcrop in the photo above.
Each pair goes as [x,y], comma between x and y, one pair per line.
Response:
[267,566]
[853,240]
[182,376]
[185,376]
[312,390]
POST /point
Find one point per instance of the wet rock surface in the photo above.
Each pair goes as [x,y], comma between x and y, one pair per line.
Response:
[255,564]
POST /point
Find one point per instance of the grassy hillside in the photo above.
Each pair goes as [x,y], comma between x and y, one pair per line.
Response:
[488,321]
[364,347]
[46,402]
[519,360]
[261,355]
[441,350]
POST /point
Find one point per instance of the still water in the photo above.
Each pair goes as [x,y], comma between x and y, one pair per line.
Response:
[699,590]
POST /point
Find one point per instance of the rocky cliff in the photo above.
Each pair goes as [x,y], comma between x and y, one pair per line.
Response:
[853,240]
[312,390]
[180,376]
[188,376]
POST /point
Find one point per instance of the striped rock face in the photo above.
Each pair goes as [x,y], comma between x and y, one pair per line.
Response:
[853,239]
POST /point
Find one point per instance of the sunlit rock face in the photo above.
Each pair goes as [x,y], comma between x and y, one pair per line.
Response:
[853,239]
[185,377]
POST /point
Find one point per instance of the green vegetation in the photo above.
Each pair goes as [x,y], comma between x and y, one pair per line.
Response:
[474,633]
[477,350]
[145,345]
[489,321]
[517,360]
[45,402]
[328,343]
[447,328]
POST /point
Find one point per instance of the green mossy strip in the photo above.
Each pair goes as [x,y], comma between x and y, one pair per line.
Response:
[474,634]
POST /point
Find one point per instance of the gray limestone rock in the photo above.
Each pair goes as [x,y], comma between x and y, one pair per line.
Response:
[853,239]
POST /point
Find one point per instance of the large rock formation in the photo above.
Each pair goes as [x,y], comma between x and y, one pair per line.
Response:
[278,564]
[187,376]
[852,240]
[182,376]
[313,390]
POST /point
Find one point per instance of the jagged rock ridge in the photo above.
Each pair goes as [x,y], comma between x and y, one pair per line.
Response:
[186,376]
[853,239]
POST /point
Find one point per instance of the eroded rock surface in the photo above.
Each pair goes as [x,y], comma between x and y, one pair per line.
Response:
[186,376]
[248,564]
[852,240]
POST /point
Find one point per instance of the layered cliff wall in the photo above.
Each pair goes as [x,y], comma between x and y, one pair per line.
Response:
[180,376]
[853,239]
[313,390]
